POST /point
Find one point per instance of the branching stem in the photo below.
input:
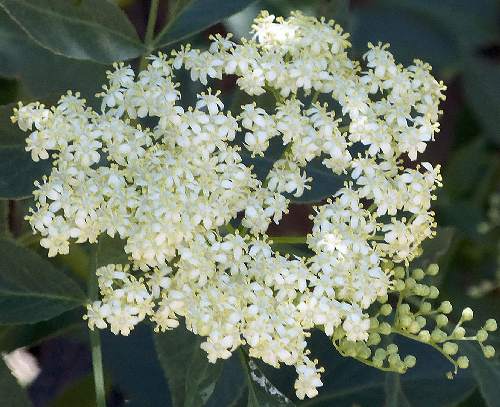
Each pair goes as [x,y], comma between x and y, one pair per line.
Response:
[95,338]
[150,29]
[289,239]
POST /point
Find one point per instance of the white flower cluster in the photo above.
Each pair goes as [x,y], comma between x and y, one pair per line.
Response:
[170,191]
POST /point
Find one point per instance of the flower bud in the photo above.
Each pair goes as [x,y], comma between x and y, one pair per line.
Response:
[374,339]
[392,349]
[418,274]
[425,307]
[410,361]
[467,314]
[404,309]
[394,359]
[380,353]
[438,336]
[374,323]
[450,348]
[414,327]
[481,335]
[386,309]
[399,273]
[441,320]
[422,290]
[382,299]
[434,292]
[463,362]
[405,321]
[384,328]
[424,336]
[459,332]
[399,285]
[445,307]
[489,351]
[421,321]
[432,269]
[410,283]
[490,325]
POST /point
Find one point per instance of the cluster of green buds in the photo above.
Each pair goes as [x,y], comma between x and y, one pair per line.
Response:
[411,310]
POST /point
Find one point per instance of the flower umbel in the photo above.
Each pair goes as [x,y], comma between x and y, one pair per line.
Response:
[171,190]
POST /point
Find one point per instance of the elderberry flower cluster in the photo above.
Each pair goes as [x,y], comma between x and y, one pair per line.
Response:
[170,190]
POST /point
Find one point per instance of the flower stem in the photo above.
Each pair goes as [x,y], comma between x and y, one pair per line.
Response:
[4,218]
[150,29]
[364,361]
[95,342]
[95,338]
[289,239]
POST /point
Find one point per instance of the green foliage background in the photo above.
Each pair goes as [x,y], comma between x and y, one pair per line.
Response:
[49,46]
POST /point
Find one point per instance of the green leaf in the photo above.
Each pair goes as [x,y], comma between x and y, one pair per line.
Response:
[474,400]
[17,170]
[435,248]
[463,174]
[465,215]
[203,377]
[31,289]
[81,393]
[229,390]
[394,395]
[196,16]
[13,395]
[95,30]
[10,134]
[190,376]
[486,372]
[411,35]
[441,32]
[470,24]
[261,392]
[111,251]
[324,182]
[8,90]
[134,367]
[18,336]
[41,72]
[482,84]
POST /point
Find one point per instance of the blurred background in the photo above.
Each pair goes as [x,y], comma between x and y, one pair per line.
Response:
[459,38]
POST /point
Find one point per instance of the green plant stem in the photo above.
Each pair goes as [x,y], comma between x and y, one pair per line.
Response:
[289,239]
[95,338]
[4,218]
[398,305]
[150,29]
[364,361]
